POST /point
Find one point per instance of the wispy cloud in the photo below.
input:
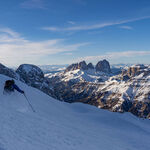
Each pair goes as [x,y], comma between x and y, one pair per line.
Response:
[69,54]
[93,26]
[9,32]
[126,27]
[71,22]
[115,55]
[15,49]
[29,4]
[9,36]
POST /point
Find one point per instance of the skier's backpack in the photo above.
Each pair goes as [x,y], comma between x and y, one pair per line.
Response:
[9,86]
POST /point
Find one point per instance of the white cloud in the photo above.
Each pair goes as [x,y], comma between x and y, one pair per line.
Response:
[126,27]
[68,54]
[33,4]
[8,35]
[71,22]
[93,26]
[9,32]
[115,55]
[14,49]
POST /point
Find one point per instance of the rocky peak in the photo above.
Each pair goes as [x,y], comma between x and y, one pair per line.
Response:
[90,66]
[103,66]
[30,74]
[34,76]
[81,65]
[7,71]
[136,70]
[72,67]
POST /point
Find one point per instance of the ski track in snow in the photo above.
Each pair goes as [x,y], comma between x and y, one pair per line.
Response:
[61,126]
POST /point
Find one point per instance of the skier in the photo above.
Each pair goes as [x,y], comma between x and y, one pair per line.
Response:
[10,86]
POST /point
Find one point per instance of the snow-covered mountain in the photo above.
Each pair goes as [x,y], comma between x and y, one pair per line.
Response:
[125,92]
[81,72]
[79,75]
[62,126]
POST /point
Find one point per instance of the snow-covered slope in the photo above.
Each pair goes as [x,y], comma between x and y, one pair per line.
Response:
[61,126]
[79,75]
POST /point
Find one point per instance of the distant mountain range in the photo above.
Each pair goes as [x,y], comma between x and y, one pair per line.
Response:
[115,68]
[52,68]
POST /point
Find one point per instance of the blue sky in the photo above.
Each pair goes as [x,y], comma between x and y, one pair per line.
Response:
[68,31]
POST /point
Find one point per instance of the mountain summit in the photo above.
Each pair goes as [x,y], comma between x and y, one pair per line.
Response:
[101,66]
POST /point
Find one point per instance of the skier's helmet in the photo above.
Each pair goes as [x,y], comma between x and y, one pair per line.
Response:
[9,85]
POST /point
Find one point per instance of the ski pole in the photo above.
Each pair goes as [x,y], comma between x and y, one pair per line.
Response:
[29,103]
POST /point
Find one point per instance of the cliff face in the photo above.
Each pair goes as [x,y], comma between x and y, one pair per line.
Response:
[81,65]
[103,66]
[30,74]
[136,70]
[34,76]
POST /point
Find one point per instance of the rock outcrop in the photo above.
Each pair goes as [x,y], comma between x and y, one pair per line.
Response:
[8,72]
[90,66]
[34,76]
[103,66]
[81,65]
[136,70]
[30,74]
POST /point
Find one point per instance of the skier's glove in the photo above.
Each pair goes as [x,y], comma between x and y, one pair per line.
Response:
[22,92]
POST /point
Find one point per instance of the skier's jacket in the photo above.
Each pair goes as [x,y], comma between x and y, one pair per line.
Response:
[10,86]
